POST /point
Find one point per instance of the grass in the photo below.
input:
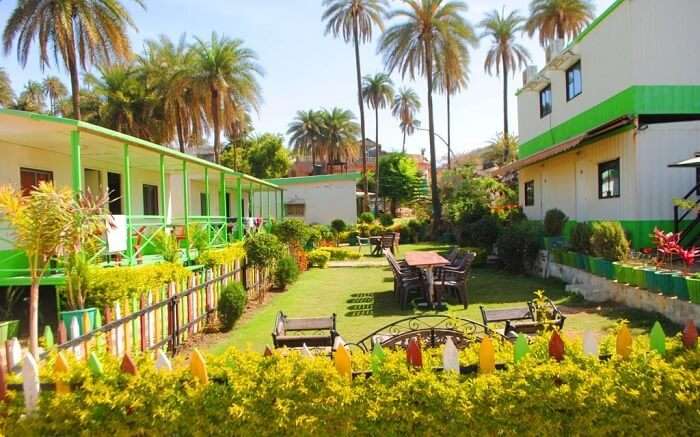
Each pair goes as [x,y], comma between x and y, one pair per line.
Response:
[363,300]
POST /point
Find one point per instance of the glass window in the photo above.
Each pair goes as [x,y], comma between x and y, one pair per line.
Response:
[609,179]
[296,210]
[530,193]
[150,199]
[546,101]
[30,179]
[203,207]
[574,84]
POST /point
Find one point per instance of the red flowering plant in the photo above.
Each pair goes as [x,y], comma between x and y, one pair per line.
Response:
[667,245]
[688,257]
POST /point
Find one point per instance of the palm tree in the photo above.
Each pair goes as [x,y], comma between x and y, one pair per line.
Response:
[501,150]
[452,75]
[406,104]
[55,91]
[305,131]
[7,96]
[31,98]
[79,33]
[378,92]
[168,68]
[410,46]
[505,53]
[558,19]
[226,81]
[354,20]
[338,134]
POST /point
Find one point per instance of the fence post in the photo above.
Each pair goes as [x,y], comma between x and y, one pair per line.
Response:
[244,274]
[142,325]
[172,319]
[110,335]
[118,332]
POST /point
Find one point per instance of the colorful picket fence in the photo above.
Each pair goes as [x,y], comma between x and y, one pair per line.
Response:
[160,319]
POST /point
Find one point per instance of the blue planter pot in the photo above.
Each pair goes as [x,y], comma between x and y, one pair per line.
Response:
[68,316]
[664,283]
[680,286]
[651,279]
[580,261]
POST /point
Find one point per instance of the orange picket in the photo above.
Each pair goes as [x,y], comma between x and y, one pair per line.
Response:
[128,365]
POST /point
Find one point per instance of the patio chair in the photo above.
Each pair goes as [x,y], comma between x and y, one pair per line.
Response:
[386,242]
[406,282]
[361,242]
[455,278]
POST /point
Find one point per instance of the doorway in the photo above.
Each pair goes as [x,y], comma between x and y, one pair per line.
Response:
[114,187]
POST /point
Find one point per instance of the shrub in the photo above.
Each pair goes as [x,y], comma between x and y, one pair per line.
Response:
[481,255]
[287,271]
[198,237]
[418,230]
[608,241]
[386,219]
[338,226]
[263,250]
[342,254]
[581,238]
[481,233]
[232,303]
[319,234]
[376,230]
[166,246]
[366,217]
[293,232]
[223,256]
[518,245]
[319,258]
[115,284]
[554,221]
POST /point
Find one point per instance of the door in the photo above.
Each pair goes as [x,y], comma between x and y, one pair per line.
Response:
[93,181]
[114,185]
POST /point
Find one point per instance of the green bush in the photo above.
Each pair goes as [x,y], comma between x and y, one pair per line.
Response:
[222,256]
[338,226]
[342,254]
[263,250]
[198,237]
[319,258]
[481,255]
[608,241]
[319,234]
[418,230]
[289,394]
[580,240]
[386,219]
[366,217]
[554,221]
[292,231]
[232,303]
[481,233]
[166,246]
[518,245]
[286,272]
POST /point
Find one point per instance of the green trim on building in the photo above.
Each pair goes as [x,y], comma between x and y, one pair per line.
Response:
[353,176]
[634,101]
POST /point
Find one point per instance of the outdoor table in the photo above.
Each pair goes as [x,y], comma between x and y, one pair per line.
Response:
[376,244]
[427,261]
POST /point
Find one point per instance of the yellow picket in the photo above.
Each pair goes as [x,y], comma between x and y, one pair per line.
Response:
[343,362]
[198,367]
[624,342]
[487,356]
[60,367]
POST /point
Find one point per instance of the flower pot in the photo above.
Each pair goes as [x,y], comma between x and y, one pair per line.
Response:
[580,261]
[617,272]
[595,265]
[590,264]
[68,316]
[606,268]
[694,289]
[640,278]
[680,286]
[664,283]
[627,275]
[650,279]
[570,259]
[8,330]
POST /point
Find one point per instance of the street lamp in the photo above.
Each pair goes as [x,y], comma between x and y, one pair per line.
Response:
[449,149]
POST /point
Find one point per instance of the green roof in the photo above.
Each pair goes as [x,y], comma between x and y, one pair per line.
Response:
[354,176]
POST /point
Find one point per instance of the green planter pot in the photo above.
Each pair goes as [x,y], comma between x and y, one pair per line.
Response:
[570,258]
[8,330]
[606,268]
[694,290]
[627,275]
[640,278]
[68,316]
[651,279]
[680,286]
[580,261]
[664,284]
[590,264]
[617,272]
[595,265]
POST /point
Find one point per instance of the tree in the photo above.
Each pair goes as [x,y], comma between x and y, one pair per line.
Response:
[55,90]
[226,81]
[505,53]
[305,133]
[558,19]
[378,92]
[399,178]
[31,98]
[79,33]
[267,157]
[406,104]
[500,151]
[410,47]
[7,96]
[338,134]
[355,20]
[451,76]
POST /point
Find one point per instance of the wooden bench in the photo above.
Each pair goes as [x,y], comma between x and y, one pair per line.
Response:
[313,332]
[521,320]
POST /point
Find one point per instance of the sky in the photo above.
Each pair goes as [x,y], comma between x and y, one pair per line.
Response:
[306,70]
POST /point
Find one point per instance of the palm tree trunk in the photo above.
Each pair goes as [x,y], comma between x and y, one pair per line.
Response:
[505,108]
[449,149]
[178,127]
[435,195]
[365,202]
[403,147]
[74,83]
[376,158]
[215,115]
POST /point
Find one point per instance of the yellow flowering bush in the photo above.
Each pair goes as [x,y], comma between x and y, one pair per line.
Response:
[222,256]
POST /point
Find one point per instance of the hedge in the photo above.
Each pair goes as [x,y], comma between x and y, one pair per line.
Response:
[226,255]
[288,394]
[342,254]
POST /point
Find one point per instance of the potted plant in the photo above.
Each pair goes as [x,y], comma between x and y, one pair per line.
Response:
[581,244]
[667,245]
[554,222]
[694,288]
[9,328]
[680,282]
[608,242]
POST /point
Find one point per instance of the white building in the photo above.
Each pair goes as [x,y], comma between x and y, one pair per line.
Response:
[603,120]
[320,199]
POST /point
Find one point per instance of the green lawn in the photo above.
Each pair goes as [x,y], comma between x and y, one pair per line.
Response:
[363,300]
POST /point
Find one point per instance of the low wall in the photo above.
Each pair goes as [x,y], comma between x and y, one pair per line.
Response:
[596,289]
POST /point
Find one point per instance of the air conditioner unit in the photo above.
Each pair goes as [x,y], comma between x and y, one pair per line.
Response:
[529,74]
[554,48]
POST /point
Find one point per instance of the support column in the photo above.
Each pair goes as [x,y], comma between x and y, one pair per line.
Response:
[207,204]
[163,203]
[76,162]
[223,210]
[239,208]
[269,210]
[282,211]
[186,195]
[251,209]
[127,204]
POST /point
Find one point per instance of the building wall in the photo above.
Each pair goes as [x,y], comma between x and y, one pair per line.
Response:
[325,201]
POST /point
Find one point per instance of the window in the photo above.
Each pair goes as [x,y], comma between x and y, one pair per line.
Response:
[296,209]
[609,179]
[530,193]
[150,199]
[203,207]
[546,101]
[574,84]
[30,178]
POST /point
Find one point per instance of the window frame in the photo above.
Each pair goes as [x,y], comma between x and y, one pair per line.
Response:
[529,200]
[156,206]
[48,174]
[294,206]
[609,165]
[569,81]
[544,90]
